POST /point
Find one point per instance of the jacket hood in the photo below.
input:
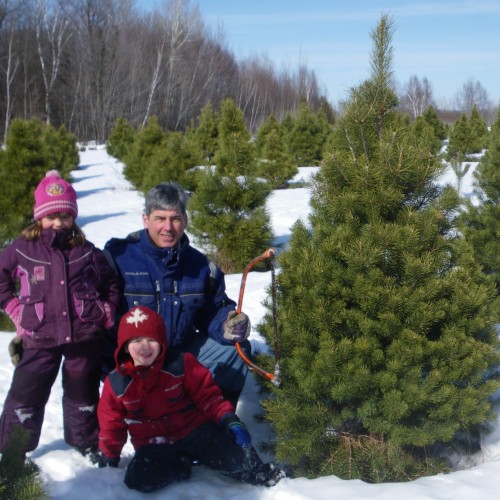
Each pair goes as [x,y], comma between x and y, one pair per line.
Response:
[140,322]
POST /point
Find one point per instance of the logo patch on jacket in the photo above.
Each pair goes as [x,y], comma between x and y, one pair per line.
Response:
[38,274]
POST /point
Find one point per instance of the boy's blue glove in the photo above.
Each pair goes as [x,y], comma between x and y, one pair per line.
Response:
[237,429]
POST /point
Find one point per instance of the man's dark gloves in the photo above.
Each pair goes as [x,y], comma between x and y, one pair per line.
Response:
[237,429]
[16,349]
[237,327]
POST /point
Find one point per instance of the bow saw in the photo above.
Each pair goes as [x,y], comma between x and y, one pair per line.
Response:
[274,378]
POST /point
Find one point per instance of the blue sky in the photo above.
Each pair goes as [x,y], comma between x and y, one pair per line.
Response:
[447,41]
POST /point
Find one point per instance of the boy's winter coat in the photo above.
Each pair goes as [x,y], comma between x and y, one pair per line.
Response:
[180,284]
[160,403]
[47,315]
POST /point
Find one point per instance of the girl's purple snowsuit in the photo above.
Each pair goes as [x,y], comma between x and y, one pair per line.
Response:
[66,297]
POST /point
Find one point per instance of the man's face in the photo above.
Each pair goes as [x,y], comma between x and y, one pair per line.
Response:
[165,227]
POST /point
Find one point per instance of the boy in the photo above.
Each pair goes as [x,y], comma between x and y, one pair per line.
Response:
[174,412]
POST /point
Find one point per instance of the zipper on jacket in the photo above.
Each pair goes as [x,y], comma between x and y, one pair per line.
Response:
[157,292]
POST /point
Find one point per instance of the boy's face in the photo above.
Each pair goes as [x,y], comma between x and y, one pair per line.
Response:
[143,350]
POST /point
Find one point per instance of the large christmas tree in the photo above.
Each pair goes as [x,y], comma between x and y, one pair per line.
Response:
[387,324]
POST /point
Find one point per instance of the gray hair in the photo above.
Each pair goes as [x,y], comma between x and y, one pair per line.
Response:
[166,196]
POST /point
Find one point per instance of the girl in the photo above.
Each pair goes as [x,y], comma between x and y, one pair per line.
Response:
[60,293]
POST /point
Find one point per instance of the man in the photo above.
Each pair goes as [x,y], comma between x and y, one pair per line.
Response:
[159,269]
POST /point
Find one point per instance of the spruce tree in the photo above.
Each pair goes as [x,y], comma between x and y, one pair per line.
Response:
[481,222]
[387,324]
[228,211]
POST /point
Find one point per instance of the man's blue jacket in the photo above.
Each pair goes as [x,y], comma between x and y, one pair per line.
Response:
[181,284]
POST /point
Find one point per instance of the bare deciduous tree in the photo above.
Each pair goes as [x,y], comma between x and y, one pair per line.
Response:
[472,94]
[51,36]
[417,95]
[10,72]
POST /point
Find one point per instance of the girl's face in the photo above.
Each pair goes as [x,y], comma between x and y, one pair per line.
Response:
[61,220]
[143,350]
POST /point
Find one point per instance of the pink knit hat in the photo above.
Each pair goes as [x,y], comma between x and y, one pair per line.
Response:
[54,195]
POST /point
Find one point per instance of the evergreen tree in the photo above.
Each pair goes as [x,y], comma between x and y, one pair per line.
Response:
[148,141]
[207,132]
[478,131]
[61,150]
[431,117]
[171,162]
[481,222]
[460,142]
[32,148]
[19,477]
[307,136]
[387,324]
[235,154]
[121,139]
[275,164]
[228,208]
[270,125]
[426,133]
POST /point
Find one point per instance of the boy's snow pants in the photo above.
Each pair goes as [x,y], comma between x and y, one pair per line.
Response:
[157,465]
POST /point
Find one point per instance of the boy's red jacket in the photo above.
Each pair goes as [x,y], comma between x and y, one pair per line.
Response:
[161,403]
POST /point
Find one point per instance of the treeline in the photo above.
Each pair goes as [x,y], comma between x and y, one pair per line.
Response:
[85,63]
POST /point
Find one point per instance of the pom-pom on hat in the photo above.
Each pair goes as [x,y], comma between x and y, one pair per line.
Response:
[54,195]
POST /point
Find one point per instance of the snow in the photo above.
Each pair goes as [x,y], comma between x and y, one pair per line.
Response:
[110,207]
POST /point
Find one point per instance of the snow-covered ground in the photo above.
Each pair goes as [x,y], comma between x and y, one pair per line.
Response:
[110,207]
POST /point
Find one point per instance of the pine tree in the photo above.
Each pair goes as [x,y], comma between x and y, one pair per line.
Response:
[32,148]
[460,143]
[275,164]
[148,141]
[235,155]
[425,132]
[481,222]
[431,117]
[387,324]
[171,162]
[61,150]
[307,136]
[478,131]
[121,139]
[19,477]
[207,132]
[228,208]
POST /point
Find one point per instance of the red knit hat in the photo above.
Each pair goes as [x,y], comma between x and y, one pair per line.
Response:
[54,195]
[141,321]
